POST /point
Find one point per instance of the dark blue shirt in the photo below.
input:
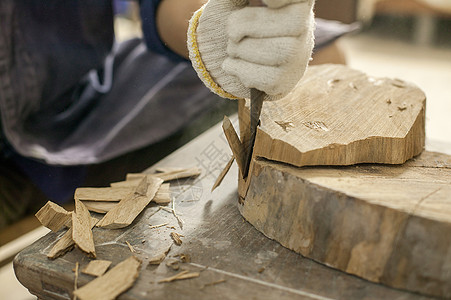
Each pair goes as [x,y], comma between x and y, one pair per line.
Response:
[150,32]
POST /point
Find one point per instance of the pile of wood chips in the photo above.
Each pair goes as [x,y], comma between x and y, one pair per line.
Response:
[120,203]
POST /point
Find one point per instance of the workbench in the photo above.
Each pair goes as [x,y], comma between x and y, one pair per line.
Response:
[235,261]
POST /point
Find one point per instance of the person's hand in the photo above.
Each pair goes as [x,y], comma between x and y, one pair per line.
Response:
[235,48]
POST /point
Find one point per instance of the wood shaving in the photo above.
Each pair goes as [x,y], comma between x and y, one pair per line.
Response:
[180,276]
[176,237]
[157,226]
[213,283]
[77,265]
[223,174]
[132,250]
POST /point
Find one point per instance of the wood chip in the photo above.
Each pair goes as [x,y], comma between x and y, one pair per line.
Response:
[234,142]
[170,175]
[173,263]
[169,169]
[180,276]
[100,207]
[160,257]
[96,267]
[112,283]
[125,212]
[176,237]
[104,194]
[81,229]
[163,195]
[223,174]
[125,184]
[65,243]
[53,216]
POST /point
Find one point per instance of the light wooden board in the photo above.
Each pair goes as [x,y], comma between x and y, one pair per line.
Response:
[340,116]
[387,224]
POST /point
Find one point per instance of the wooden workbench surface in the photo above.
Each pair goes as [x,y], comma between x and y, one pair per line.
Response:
[235,260]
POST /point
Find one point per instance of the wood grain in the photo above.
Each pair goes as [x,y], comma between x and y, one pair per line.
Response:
[340,116]
[384,223]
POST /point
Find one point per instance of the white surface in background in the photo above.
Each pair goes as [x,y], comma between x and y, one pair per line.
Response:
[428,68]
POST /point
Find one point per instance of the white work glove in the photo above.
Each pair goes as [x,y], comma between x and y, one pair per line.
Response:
[235,48]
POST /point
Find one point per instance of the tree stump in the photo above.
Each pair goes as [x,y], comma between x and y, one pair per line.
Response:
[387,220]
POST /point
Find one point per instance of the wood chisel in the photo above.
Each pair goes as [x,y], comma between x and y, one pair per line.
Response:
[257,98]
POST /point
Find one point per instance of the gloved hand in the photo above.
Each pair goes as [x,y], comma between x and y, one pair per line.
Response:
[235,48]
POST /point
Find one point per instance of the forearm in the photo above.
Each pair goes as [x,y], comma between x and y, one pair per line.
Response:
[172,22]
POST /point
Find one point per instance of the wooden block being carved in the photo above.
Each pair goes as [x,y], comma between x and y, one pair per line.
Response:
[386,223]
[53,216]
[112,283]
[340,116]
[123,214]
[81,229]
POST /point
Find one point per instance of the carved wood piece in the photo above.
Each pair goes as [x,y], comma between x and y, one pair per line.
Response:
[340,116]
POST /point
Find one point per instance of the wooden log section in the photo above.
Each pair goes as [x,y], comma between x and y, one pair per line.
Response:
[388,221]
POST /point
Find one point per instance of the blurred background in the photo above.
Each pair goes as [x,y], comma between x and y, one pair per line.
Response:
[405,39]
